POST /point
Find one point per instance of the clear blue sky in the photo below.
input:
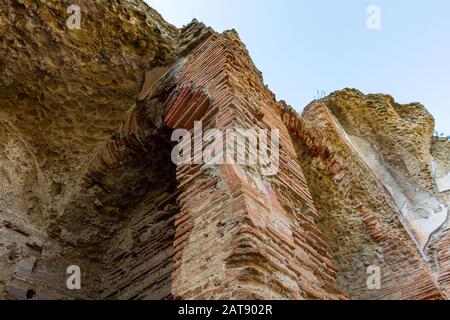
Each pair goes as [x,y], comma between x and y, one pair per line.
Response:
[302,46]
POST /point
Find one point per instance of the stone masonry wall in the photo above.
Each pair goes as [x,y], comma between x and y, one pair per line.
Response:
[87,178]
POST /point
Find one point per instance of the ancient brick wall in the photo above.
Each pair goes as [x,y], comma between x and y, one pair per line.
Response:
[88,178]
[252,237]
[360,220]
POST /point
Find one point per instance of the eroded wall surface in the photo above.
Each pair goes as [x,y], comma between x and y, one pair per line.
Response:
[72,171]
[358,214]
[87,177]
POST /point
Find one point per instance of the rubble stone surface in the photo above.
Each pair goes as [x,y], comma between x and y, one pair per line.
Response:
[87,177]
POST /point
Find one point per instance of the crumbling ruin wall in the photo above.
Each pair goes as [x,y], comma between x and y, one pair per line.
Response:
[356,213]
[63,94]
[87,173]
[438,248]
[396,143]
[239,234]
